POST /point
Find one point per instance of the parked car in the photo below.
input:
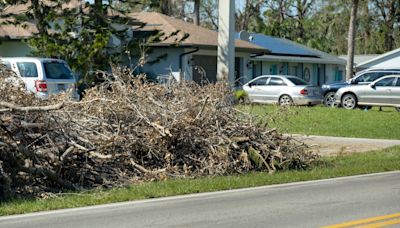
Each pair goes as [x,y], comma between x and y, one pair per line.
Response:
[364,77]
[43,76]
[282,89]
[384,91]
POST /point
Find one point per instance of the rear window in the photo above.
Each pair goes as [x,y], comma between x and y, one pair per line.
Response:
[57,70]
[27,69]
[297,81]
[276,82]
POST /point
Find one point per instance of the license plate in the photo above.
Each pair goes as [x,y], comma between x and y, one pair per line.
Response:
[60,87]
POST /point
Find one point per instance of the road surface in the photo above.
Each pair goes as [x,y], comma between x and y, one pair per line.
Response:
[304,204]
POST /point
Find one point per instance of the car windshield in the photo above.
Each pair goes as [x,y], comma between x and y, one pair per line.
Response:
[369,77]
[57,70]
[297,81]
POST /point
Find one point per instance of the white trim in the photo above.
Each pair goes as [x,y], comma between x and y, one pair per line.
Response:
[298,59]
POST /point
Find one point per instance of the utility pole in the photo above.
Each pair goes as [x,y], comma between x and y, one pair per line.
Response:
[226,41]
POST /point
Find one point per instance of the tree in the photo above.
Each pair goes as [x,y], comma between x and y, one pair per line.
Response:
[388,12]
[196,18]
[209,13]
[249,14]
[80,35]
[351,39]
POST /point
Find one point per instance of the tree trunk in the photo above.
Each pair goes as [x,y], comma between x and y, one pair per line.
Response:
[98,7]
[165,7]
[38,15]
[351,40]
[196,18]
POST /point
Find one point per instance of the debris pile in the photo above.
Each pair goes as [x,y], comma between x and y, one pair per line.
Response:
[126,130]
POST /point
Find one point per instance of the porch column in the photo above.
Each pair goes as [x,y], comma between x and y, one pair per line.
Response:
[226,41]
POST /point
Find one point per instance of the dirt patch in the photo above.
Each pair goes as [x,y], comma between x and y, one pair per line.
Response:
[327,145]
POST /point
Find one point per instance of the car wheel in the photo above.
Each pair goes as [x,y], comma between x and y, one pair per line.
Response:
[398,109]
[349,101]
[285,100]
[329,99]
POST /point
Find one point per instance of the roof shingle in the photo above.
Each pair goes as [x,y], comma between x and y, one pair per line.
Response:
[198,36]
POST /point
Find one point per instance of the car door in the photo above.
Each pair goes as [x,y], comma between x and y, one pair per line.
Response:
[29,73]
[396,93]
[380,92]
[275,87]
[256,90]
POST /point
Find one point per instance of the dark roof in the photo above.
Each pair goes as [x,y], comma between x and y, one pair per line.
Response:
[287,50]
[280,46]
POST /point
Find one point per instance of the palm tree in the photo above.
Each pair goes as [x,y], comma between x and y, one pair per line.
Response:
[351,40]
[196,19]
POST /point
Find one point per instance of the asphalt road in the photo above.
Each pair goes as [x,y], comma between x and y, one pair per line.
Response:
[306,204]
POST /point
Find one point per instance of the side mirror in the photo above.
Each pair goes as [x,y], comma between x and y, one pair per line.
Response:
[372,85]
[250,85]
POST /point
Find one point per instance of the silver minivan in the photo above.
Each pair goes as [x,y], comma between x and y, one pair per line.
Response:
[43,76]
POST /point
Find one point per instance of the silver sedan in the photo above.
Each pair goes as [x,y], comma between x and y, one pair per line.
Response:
[382,92]
[282,89]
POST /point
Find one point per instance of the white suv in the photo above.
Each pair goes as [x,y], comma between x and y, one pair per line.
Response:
[43,76]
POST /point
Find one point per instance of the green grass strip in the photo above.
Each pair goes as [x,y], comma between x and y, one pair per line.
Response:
[362,163]
[327,121]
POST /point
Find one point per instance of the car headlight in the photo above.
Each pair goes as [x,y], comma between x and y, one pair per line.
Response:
[325,87]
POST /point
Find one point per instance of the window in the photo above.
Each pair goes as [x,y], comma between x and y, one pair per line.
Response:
[27,69]
[57,70]
[370,77]
[339,75]
[297,81]
[259,82]
[385,82]
[398,82]
[276,82]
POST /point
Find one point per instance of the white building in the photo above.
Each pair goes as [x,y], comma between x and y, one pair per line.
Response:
[389,60]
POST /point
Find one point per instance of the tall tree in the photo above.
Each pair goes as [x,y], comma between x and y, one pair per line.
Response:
[209,13]
[389,13]
[251,11]
[351,39]
[196,18]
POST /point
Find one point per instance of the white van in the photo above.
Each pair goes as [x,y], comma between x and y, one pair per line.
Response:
[43,76]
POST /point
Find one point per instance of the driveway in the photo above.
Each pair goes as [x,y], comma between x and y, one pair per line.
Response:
[328,145]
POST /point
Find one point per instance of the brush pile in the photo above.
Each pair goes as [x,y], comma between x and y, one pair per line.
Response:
[126,130]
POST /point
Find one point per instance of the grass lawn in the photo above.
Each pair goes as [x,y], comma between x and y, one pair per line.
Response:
[321,120]
[362,163]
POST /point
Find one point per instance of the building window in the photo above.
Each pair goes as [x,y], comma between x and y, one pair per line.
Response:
[338,75]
